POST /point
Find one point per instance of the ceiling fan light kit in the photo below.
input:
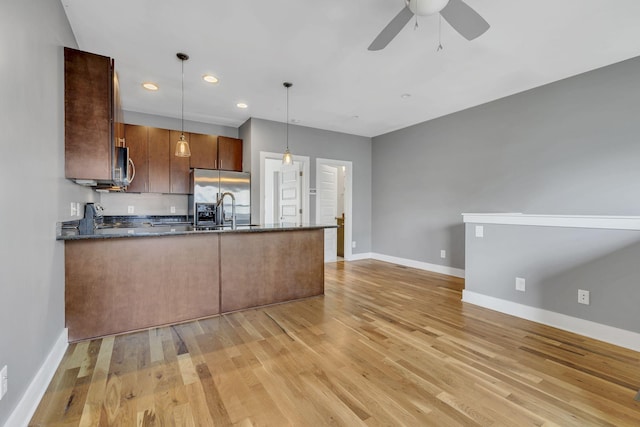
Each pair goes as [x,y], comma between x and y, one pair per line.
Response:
[457,13]
[426,7]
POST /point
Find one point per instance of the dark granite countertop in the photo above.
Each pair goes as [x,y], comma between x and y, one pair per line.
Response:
[67,231]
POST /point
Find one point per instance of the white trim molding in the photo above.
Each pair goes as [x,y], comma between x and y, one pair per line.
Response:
[575,221]
[28,404]
[609,334]
[358,257]
[442,269]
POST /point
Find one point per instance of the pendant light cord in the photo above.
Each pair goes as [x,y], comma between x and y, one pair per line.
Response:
[287,118]
[182,127]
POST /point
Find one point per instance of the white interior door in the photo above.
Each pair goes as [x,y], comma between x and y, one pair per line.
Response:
[290,200]
[327,193]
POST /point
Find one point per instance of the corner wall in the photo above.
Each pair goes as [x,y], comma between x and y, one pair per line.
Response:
[269,136]
[35,194]
[570,147]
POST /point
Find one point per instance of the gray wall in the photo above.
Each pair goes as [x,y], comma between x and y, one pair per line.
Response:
[555,263]
[34,194]
[304,141]
[570,147]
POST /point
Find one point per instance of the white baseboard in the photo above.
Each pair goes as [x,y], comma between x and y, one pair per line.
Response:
[609,334]
[28,404]
[442,269]
[358,257]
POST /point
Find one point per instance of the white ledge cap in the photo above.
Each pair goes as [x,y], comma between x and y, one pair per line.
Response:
[610,222]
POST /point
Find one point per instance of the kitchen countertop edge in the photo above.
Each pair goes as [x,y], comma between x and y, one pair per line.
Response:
[66,235]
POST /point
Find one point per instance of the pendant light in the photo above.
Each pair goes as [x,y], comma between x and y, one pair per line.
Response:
[182,147]
[287,159]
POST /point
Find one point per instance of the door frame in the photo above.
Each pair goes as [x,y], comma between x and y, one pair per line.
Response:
[306,171]
[348,200]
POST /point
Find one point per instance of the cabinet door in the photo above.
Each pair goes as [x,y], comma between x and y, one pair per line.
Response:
[88,104]
[137,141]
[159,160]
[204,151]
[179,166]
[117,114]
[229,154]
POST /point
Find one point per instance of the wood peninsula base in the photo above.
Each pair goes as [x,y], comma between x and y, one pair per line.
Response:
[116,285]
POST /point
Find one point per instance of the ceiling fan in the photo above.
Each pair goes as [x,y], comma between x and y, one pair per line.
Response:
[457,13]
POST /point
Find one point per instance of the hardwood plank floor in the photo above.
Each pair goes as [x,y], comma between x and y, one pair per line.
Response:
[386,345]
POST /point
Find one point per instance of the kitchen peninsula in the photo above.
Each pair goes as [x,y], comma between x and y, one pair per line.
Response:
[121,280]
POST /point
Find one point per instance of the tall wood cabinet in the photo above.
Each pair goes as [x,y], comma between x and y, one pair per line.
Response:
[92,115]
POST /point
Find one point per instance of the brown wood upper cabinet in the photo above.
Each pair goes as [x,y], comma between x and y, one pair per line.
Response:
[204,151]
[137,138]
[179,166]
[149,150]
[90,112]
[158,170]
[229,154]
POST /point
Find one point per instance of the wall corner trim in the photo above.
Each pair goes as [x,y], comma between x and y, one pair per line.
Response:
[30,400]
[609,222]
[609,334]
[435,268]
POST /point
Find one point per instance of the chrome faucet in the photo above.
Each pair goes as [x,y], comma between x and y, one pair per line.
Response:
[220,218]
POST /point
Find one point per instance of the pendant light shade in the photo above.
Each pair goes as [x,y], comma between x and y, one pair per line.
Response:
[182,147]
[287,158]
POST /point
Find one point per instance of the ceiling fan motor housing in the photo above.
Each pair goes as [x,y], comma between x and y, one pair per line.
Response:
[426,7]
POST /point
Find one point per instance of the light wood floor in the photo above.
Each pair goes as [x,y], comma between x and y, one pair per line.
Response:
[386,345]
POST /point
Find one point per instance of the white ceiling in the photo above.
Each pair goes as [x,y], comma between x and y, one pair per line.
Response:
[253,46]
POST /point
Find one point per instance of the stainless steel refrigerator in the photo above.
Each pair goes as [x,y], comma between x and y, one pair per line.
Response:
[207,186]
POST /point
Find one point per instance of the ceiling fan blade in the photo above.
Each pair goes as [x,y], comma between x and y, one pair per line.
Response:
[464,20]
[391,30]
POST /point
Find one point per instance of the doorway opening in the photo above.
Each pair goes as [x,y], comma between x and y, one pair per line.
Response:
[284,190]
[334,206]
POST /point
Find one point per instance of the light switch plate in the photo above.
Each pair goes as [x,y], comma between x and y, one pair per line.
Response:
[479,231]
[520,284]
[443,253]
[353,244]
[172,209]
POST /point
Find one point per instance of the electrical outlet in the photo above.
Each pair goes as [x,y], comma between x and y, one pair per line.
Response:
[74,209]
[172,209]
[4,381]
[520,284]
[130,209]
[443,253]
[353,244]
[479,231]
[583,297]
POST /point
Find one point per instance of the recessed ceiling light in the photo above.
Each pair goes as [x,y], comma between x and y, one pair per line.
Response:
[241,105]
[405,95]
[150,86]
[209,78]
[295,121]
